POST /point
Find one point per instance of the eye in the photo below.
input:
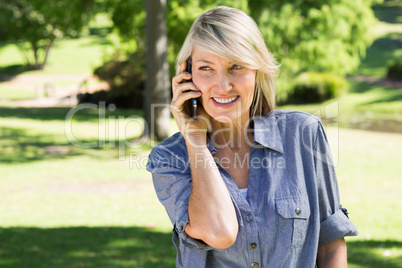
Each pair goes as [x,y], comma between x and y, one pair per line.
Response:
[205,68]
[236,67]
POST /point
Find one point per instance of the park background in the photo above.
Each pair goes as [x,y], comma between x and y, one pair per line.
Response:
[62,205]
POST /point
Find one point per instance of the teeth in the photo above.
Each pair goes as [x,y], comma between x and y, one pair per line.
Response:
[225,100]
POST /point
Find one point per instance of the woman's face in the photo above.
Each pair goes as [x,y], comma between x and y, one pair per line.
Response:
[227,88]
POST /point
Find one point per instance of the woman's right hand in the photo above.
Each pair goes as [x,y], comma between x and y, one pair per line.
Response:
[192,129]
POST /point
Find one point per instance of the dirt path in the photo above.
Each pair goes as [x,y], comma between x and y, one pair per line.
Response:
[50,90]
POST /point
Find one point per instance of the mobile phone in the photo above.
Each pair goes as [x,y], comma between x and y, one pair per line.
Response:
[193,102]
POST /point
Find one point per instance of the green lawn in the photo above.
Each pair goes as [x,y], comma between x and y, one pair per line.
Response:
[74,207]
[68,56]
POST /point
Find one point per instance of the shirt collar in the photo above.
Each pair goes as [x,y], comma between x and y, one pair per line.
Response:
[266,132]
[210,146]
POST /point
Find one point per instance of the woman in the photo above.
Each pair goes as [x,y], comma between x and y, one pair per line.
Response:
[243,184]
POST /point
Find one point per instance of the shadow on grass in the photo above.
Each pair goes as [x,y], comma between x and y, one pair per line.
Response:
[9,72]
[381,52]
[395,97]
[17,145]
[370,253]
[86,113]
[132,247]
[361,87]
[85,247]
[389,11]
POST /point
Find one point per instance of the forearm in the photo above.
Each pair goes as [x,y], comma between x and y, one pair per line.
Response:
[211,211]
[333,255]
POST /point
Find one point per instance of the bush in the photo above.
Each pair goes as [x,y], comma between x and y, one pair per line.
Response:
[126,79]
[311,87]
[395,69]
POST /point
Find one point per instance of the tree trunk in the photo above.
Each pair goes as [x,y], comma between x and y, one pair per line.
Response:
[156,95]
[36,56]
[47,50]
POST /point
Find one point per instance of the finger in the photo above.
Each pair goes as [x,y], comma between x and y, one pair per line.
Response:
[178,79]
[185,96]
[183,66]
[183,87]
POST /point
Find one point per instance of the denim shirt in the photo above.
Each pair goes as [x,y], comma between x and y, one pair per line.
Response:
[292,204]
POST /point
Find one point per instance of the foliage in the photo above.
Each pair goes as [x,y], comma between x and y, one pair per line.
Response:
[126,79]
[312,87]
[35,25]
[395,69]
[314,36]
[128,18]
[322,36]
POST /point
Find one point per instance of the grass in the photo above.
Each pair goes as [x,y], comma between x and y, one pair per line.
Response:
[74,207]
[68,56]
[9,94]
[86,247]
[368,173]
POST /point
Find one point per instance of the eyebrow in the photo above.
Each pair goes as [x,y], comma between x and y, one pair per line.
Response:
[205,61]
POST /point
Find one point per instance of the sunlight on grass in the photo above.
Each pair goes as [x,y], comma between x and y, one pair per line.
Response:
[13,94]
[383,28]
[69,56]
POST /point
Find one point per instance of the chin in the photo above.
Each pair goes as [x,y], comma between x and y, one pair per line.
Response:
[227,118]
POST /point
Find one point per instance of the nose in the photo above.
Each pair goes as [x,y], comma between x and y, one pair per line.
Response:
[223,83]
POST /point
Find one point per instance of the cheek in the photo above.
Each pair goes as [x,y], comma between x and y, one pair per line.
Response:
[200,82]
[247,84]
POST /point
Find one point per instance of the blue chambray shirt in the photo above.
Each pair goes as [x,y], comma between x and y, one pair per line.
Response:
[292,204]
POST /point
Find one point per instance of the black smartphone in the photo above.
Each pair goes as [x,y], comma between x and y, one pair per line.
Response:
[193,102]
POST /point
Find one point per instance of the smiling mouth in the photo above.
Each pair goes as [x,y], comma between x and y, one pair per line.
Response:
[229,100]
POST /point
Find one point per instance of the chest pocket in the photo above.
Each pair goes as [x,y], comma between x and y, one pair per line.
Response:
[294,214]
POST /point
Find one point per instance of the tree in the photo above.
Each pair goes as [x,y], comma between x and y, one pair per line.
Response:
[156,97]
[34,25]
[315,35]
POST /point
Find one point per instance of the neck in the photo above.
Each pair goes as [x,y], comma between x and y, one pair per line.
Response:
[234,135]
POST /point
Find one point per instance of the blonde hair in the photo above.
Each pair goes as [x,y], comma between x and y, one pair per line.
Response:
[233,35]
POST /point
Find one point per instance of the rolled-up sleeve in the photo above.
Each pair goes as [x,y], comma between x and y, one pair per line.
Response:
[336,226]
[334,223]
[171,176]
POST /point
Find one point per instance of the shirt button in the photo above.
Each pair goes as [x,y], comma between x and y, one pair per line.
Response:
[255,265]
[253,245]
[249,217]
[297,211]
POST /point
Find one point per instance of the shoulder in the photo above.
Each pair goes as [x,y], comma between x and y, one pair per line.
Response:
[297,127]
[295,117]
[296,121]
